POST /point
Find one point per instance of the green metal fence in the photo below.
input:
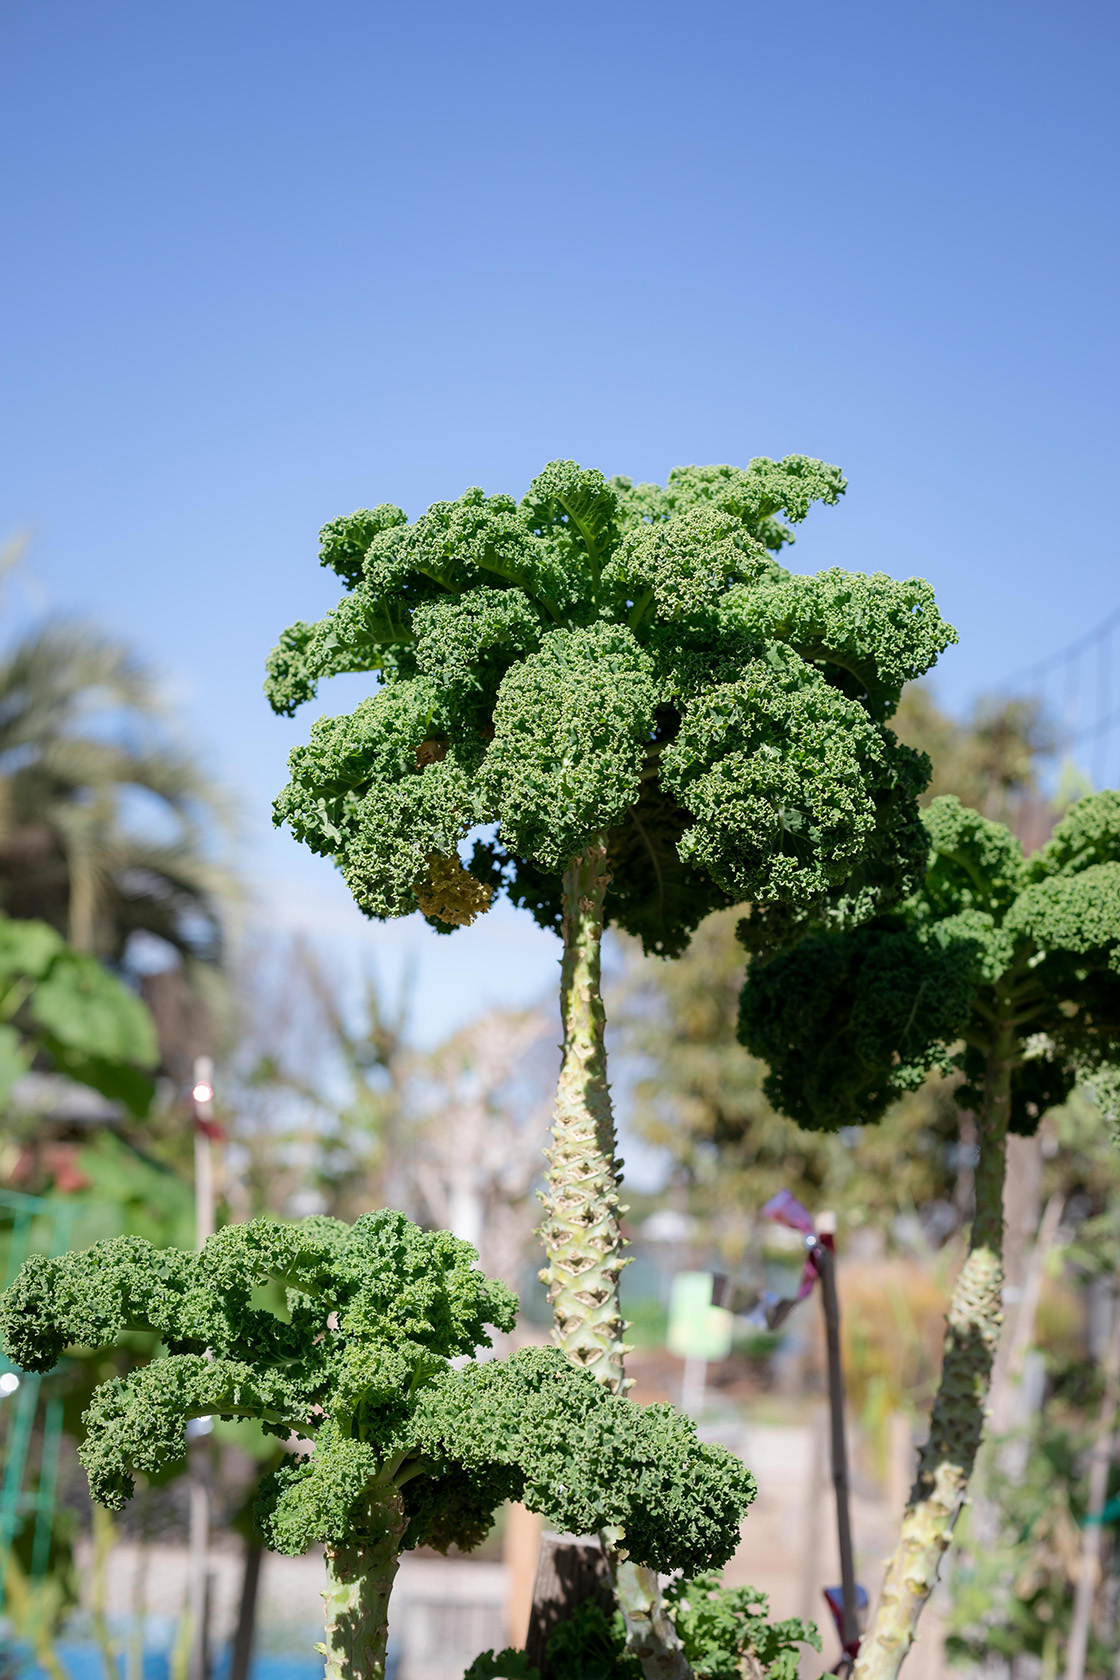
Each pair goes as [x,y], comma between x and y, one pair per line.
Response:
[28,1409]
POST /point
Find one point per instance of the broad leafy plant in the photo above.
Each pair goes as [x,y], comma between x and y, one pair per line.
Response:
[63,1005]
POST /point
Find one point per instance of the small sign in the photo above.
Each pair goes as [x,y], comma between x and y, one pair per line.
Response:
[697,1330]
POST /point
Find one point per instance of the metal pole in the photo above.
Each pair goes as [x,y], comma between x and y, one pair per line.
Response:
[826,1265]
[693,1384]
[200,1545]
[202,1111]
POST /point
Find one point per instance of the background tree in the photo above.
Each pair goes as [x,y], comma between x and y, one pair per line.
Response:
[322,1077]
[481,1107]
[629,687]
[103,818]
[1020,961]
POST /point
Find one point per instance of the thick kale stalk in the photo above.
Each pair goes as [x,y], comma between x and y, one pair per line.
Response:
[581,1234]
[946,1461]
[360,1578]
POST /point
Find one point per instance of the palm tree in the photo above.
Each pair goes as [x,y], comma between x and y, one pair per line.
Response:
[103,819]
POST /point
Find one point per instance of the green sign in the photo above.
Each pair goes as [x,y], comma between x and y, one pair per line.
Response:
[697,1330]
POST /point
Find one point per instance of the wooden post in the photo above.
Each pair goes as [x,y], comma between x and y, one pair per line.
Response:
[242,1656]
[569,1573]
[826,1265]
[521,1551]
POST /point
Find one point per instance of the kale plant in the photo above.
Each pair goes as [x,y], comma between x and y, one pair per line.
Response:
[725,1632]
[1008,969]
[622,684]
[395,1445]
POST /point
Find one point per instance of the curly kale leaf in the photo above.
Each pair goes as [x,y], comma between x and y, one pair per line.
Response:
[727,1632]
[752,495]
[975,863]
[575,511]
[775,769]
[588,1459]
[1088,834]
[459,545]
[466,644]
[676,569]
[384,791]
[89,1299]
[571,727]
[323,1498]
[869,634]
[848,1023]
[138,1423]
[1079,914]
[420,1286]
[344,543]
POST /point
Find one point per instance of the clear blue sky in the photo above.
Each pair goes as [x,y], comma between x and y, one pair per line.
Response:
[265,263]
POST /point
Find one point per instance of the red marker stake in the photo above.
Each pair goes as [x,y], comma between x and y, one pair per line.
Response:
[825,1260]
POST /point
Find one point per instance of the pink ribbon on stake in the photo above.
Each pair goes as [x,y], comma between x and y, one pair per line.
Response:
[785,1209]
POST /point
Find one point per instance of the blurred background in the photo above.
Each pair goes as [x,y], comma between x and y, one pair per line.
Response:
[268,264]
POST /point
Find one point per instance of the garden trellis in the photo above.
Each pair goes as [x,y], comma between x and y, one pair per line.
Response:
[1080,686]
[30,1224]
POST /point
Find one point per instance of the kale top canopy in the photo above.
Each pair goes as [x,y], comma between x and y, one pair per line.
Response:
[610,660]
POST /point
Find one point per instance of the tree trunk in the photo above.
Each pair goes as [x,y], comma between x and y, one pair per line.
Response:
[360,1579]
[971,1338]
[581,1235]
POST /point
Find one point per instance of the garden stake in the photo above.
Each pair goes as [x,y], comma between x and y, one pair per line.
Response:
[820,1262]
[823,1252]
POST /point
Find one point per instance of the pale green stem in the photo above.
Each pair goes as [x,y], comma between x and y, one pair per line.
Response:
[581,1233]
[957,1421]
[360,1580]
[104,1535]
